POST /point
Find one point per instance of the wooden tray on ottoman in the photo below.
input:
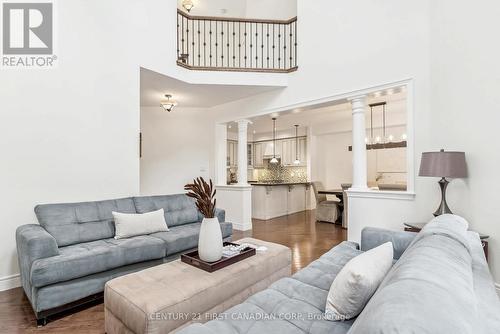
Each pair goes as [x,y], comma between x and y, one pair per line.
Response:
[193,259]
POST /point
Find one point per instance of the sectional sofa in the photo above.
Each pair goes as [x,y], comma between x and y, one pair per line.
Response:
[66,259]
[439,283]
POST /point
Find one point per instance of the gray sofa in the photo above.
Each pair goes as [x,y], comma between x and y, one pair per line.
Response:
[441,284]
[66,260]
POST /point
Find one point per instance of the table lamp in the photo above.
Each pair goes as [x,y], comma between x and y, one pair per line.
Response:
[443,164]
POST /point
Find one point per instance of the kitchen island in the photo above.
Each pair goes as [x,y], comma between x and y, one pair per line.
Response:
[275,199]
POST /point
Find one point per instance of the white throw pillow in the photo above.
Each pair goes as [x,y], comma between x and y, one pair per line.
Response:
[129,225]
[357,282]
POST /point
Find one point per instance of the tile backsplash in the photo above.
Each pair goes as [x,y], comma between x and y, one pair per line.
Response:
[275,173]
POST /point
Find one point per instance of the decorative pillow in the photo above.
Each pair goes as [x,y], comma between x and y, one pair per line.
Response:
[129,225]
[357,282]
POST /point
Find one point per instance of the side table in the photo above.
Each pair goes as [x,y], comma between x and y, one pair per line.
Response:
[416,227]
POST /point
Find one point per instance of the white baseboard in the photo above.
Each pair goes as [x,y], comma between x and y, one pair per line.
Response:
[242,227]
[10,282]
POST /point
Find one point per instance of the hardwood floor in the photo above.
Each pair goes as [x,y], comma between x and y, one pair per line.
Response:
[307,239]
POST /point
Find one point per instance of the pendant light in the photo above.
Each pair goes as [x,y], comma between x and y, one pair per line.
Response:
[274,160]
[297,161]
[379,139]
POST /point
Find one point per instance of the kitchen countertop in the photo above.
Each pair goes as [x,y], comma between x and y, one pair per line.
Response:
[279,183]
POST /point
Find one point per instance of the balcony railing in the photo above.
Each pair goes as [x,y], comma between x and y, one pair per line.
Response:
[231,44]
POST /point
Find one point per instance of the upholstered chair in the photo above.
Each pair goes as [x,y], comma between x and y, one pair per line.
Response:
[345,218]
[326,211]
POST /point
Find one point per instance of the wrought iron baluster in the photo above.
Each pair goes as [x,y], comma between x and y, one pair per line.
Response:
[251,56]
[228,49]
[178,36]
[234,44]
[182,39]
[279,45]
[187,41]
[284,47]
[204,43]
[256,45]
[274,44]
[262,44]
[222,43]
[268,45]
[290,50]
[199,47]
[239,44]
[246,45]
[210,40]
[295,23]
[216,44]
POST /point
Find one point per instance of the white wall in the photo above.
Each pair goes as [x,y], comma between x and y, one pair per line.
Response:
[258,9]
[177,147]
[234,8]
[71,133]
[271,9]
[465,101]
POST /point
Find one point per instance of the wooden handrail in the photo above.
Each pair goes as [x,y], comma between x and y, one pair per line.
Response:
[234,19]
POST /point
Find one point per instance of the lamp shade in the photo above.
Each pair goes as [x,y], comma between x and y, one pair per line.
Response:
[443,164]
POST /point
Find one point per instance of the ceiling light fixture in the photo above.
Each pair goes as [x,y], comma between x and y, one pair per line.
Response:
[188,5]
[274,160]
[169,104]
[297,161]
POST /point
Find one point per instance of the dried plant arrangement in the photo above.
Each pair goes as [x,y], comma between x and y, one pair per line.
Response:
[204,194]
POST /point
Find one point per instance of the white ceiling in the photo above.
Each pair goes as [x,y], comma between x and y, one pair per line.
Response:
[154,86]
[335,112]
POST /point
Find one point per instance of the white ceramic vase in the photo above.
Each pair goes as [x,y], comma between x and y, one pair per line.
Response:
[210,241]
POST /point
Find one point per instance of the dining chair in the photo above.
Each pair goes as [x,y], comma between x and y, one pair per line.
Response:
[326,211]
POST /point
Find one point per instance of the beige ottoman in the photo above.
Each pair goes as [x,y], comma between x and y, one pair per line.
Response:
[163,298]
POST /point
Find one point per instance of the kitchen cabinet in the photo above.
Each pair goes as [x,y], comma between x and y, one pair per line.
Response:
[269,148]
[289,149]
[271,201]
[232,153]
[287,152]
[303,151]
[250,155]
[285,149]
[258,155]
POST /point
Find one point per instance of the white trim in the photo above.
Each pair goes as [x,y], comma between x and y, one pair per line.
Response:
[10,282]
[235,187]
[410,123]
[381,194]
[410,137]
[242,227]
[329,99]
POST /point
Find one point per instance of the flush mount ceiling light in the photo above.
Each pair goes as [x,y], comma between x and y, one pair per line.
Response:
[274,160]
[168,104]
[188,5]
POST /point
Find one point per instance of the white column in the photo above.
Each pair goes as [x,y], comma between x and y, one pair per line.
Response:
[359,169]
[242,152]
